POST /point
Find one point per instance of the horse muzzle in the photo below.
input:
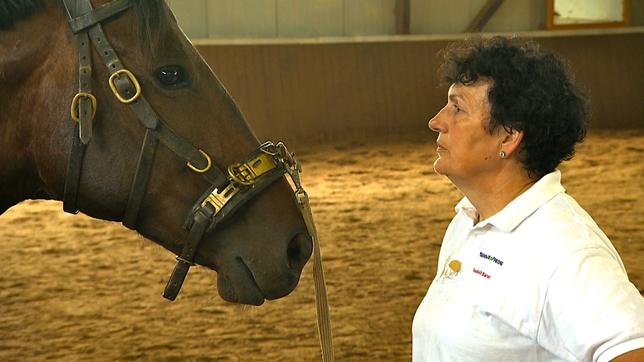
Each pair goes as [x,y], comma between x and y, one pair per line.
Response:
[253,278]
[246,180]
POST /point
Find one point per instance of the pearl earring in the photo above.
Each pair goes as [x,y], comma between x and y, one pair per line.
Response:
[502,154]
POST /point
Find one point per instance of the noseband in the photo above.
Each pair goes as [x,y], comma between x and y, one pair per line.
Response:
[230,188]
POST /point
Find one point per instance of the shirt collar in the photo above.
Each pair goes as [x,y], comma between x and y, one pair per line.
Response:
[521,207]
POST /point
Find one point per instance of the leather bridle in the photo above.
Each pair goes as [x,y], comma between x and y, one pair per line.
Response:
[228,191]
[230,188]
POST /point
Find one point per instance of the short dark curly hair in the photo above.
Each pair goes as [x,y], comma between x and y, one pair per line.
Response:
[532,91]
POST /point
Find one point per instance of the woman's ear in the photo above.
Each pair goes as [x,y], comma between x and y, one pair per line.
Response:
[511,140]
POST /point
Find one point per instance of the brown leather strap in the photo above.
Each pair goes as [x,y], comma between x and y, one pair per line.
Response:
[236,202]
[83,129]
[74,167]
[202,220]
[141,177]
[240,199]
[91,18]
[189,153]
[85,107]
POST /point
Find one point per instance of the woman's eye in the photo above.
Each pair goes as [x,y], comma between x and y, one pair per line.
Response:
[171,76]
[456,109]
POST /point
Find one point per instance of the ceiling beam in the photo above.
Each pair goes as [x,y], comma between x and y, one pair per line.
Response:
[484,15]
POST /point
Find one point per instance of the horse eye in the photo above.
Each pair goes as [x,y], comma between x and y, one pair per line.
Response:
[171,75]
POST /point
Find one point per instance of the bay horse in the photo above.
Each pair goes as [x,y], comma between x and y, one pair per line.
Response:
[106,106]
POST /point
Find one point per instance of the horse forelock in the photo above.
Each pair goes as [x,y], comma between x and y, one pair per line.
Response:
[11,11]
[151,25]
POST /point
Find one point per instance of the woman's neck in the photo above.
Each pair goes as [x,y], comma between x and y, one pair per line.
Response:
[489,195]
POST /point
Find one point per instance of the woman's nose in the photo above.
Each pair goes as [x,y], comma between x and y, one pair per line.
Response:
[434,123]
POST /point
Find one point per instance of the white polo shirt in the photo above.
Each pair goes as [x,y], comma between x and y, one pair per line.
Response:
[539,281]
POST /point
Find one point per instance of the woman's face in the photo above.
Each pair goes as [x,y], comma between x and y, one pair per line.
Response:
[466,151]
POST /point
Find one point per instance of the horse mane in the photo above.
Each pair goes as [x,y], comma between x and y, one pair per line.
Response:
[12,11]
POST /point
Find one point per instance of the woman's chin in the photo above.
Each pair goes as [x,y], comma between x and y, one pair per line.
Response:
[439,167]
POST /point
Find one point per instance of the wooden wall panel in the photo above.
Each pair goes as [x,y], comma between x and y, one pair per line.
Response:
[610,69]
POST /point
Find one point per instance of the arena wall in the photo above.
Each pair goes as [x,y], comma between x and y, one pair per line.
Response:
[326,90]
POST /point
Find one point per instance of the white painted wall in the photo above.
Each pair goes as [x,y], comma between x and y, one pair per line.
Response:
[317,18]
[283,18]
[241,18]
[192,16]
[453,16]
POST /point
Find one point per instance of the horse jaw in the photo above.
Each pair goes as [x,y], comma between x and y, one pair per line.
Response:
[25,50]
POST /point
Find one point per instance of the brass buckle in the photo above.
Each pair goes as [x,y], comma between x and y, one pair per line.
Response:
[201,170]
[132,79]
[74,107]
[246,173]
[219,199]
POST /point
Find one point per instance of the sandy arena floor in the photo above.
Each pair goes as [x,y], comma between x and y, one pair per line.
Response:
[78,289]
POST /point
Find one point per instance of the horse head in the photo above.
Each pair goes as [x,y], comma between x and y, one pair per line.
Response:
[161,141]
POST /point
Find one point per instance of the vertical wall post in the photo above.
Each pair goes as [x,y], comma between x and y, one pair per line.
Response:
[402,16]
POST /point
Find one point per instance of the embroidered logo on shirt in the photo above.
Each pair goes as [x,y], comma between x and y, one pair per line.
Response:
[453,268]
[491,258]
[481,273]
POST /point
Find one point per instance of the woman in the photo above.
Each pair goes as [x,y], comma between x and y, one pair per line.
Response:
[524,273]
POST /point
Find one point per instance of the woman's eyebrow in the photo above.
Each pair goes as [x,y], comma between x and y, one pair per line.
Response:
[456,98]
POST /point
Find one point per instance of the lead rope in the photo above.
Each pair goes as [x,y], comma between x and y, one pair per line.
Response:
[321,302]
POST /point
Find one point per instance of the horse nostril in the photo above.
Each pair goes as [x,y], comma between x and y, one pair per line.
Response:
[299,250]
